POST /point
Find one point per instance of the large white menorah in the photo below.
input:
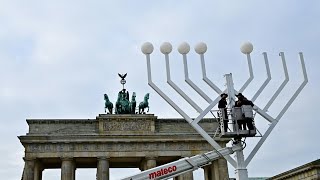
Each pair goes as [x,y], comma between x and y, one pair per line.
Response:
[240,163]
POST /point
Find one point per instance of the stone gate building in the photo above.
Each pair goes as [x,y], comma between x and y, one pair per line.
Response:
[114,141]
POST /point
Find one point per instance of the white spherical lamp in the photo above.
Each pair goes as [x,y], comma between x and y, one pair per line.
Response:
[184,48]
[201,48]
[147,48]
[246,48]
[166,48]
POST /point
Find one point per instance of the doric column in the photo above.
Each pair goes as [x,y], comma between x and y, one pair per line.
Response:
[38,168]
[67,169]
[103,168]
[185,176]
[74,170]
[143,165]
[223,169]
[218,170]
[151,162]
[210,173]
[28,171]
[148,163]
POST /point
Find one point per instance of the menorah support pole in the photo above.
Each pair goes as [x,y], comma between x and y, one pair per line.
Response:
[241,168]
[230,90]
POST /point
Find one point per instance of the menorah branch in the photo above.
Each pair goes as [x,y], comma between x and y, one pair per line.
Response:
[205,78]
[274,123]
[162,94]
[209,107]
[191,83]
[295,95]
[261,141]
[283,84]
[246,84]
[266,82]
[177,89]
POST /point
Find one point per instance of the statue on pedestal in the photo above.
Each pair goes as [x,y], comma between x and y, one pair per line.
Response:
[123,104]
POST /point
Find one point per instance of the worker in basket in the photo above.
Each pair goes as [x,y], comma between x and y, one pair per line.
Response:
[247,121]
[222,105]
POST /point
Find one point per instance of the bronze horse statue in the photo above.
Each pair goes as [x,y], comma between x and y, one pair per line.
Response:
[144,104]
[107,105]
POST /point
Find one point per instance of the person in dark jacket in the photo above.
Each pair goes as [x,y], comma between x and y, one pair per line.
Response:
[242,100]
[223,105]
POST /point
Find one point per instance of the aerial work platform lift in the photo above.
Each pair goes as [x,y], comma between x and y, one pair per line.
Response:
[183,165]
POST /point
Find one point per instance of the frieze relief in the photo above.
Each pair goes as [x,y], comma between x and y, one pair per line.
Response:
[126,125]
[118,147]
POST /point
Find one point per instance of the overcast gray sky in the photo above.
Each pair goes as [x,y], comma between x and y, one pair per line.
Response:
[58,58]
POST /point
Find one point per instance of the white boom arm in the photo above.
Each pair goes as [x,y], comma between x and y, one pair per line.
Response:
[183,165]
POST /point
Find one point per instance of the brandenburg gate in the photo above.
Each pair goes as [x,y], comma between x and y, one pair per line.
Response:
[115,141]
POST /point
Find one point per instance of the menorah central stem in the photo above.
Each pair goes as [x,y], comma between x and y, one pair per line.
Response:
[241,169]
[230,90]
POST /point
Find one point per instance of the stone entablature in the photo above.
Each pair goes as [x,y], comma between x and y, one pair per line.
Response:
[115,149]
[115,135]
[116,124]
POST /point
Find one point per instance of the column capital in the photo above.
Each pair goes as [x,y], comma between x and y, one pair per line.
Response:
[151,162]
[67,158]
[39,163]
[184,156]
[103,157]
[29,159]
[151,157]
